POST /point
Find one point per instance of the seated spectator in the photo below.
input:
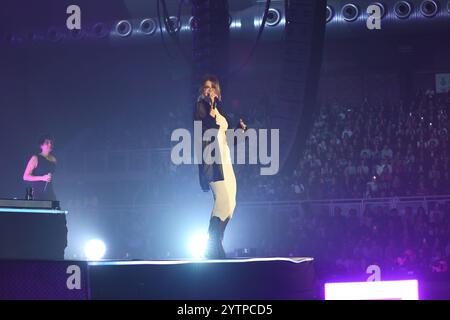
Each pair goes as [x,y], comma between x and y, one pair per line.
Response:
[386,153]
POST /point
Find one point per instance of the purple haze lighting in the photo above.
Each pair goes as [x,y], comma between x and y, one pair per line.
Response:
[373,290]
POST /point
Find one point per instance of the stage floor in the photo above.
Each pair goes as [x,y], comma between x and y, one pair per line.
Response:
[229,279]
[186,261]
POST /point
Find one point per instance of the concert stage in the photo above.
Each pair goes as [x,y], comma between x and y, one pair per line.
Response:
[231,279]
[33,238]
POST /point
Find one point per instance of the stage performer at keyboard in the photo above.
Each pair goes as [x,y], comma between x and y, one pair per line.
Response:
[217,177]
[40,169]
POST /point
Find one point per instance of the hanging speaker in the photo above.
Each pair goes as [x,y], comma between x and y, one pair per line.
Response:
[300,69]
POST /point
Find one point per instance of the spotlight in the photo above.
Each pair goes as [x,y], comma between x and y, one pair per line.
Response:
[193,24]
[94,249]
[330,13]
[174,24]
[147,26]
[15,39]
[382,8]
[402,9]
[197,244]
[54,35]
[448,7]
[123,28]
[273,17]
[76,34]
[31,36]
[10,38]
[99,30]
[350,12]
[429,8]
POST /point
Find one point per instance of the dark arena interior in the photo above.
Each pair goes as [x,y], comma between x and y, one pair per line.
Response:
[334,114]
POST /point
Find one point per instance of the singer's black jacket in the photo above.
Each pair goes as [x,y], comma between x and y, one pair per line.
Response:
[208,172]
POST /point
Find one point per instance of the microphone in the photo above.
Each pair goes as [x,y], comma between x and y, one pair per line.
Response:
[208,100]
[46,183]
[216,101]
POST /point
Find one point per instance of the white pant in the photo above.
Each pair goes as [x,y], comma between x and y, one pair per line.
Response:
[224,191]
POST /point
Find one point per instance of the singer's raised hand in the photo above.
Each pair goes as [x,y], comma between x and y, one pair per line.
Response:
[242,124]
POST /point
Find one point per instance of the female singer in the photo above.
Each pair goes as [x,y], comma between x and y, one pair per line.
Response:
[219,177]
[40,169]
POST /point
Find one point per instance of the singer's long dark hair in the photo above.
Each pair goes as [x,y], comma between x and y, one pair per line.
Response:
[215,81]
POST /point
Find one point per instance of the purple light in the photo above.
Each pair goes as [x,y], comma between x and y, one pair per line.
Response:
[373,290]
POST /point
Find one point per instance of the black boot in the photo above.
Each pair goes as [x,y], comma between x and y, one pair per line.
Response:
[213,250]
[223,225]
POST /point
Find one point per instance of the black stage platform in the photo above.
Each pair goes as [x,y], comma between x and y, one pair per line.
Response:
[32,233]
[231,279]
[249,279]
